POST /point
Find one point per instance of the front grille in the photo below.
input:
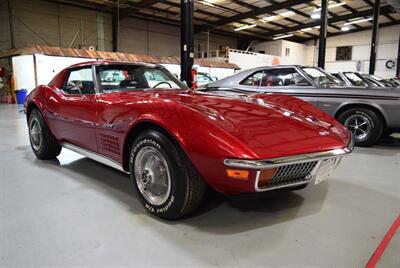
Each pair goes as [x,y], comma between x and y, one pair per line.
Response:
[290,174]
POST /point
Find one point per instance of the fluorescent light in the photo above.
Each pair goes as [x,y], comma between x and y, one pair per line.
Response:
[286,14]
[316,15]
[207,3]
[345,28]
[246,27]
[331,6]
[357,21]
[282,36]
[278,16]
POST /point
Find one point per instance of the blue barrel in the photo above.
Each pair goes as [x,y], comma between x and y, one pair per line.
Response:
[21,95]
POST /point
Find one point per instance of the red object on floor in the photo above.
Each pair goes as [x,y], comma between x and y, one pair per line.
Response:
[383,245]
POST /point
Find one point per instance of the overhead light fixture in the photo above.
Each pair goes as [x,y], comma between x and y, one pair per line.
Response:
[316,15]
[357,21]
[345,28]
[245,27]
[206,2]
[282,36]
[317,12]
[278,16]
[331,6]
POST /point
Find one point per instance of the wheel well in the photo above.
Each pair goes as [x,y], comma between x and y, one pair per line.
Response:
[134,132]
[366,106]
[30,108]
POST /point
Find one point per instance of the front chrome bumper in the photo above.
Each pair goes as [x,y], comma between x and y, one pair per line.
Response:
[281,161]
[285,162]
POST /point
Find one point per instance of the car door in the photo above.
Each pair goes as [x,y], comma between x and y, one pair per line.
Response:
[288,80]
[74,109]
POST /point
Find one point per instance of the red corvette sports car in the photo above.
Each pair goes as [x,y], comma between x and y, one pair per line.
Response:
[174,142]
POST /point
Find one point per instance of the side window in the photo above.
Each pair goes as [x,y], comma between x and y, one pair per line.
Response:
[283,77]
[79,82]
[253,80]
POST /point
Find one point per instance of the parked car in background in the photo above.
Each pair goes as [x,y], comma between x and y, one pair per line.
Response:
[355,79]
[174,142]
[394,81]
[205,78]
[366,112]
[379,80]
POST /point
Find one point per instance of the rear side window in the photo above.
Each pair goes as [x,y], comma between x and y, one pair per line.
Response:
[253,80]
[79,82]
[283,77]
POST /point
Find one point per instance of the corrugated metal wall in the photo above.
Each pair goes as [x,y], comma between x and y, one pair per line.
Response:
[45,23]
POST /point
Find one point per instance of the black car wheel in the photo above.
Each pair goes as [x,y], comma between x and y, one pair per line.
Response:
[43,143]
[168,184]
[365,124]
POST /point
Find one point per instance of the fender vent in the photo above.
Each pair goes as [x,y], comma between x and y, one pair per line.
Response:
[109,143]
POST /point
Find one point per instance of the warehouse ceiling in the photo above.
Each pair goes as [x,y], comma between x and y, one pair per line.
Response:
[295,20]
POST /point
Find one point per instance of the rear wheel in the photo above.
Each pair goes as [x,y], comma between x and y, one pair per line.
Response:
[167,183]
[365,124]
[43,143]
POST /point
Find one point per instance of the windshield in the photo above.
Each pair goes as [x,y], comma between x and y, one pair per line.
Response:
[321,78]
[130,77]
[356,79]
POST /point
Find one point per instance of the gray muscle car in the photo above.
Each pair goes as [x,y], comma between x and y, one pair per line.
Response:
[366,112]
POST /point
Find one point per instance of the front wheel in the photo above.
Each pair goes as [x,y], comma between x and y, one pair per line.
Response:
[168,184]
[365,124]
[43,143]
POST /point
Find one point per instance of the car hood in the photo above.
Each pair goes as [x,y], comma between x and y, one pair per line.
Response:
[269,125]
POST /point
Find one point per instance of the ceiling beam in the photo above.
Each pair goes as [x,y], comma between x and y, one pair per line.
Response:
[371,4]
[386,24]
[256,12]
[384,10]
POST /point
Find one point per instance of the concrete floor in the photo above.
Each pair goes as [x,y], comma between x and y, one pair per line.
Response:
[76,212]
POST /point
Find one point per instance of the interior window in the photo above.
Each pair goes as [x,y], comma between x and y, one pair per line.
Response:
[253,80]
[283,77]
[130,77]
[80,81]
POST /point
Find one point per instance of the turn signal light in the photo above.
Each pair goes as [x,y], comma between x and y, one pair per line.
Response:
[238,174]
[265,176]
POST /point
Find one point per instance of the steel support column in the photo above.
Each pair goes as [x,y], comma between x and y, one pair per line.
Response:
[323,33]
[115,32]
[10,24]
[375,26]
[187,41]
[398,60]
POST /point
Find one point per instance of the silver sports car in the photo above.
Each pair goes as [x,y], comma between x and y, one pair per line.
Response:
[366,112]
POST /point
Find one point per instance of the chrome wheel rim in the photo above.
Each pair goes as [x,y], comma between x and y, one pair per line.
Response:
[35,134]
[152,175]
[359,125]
